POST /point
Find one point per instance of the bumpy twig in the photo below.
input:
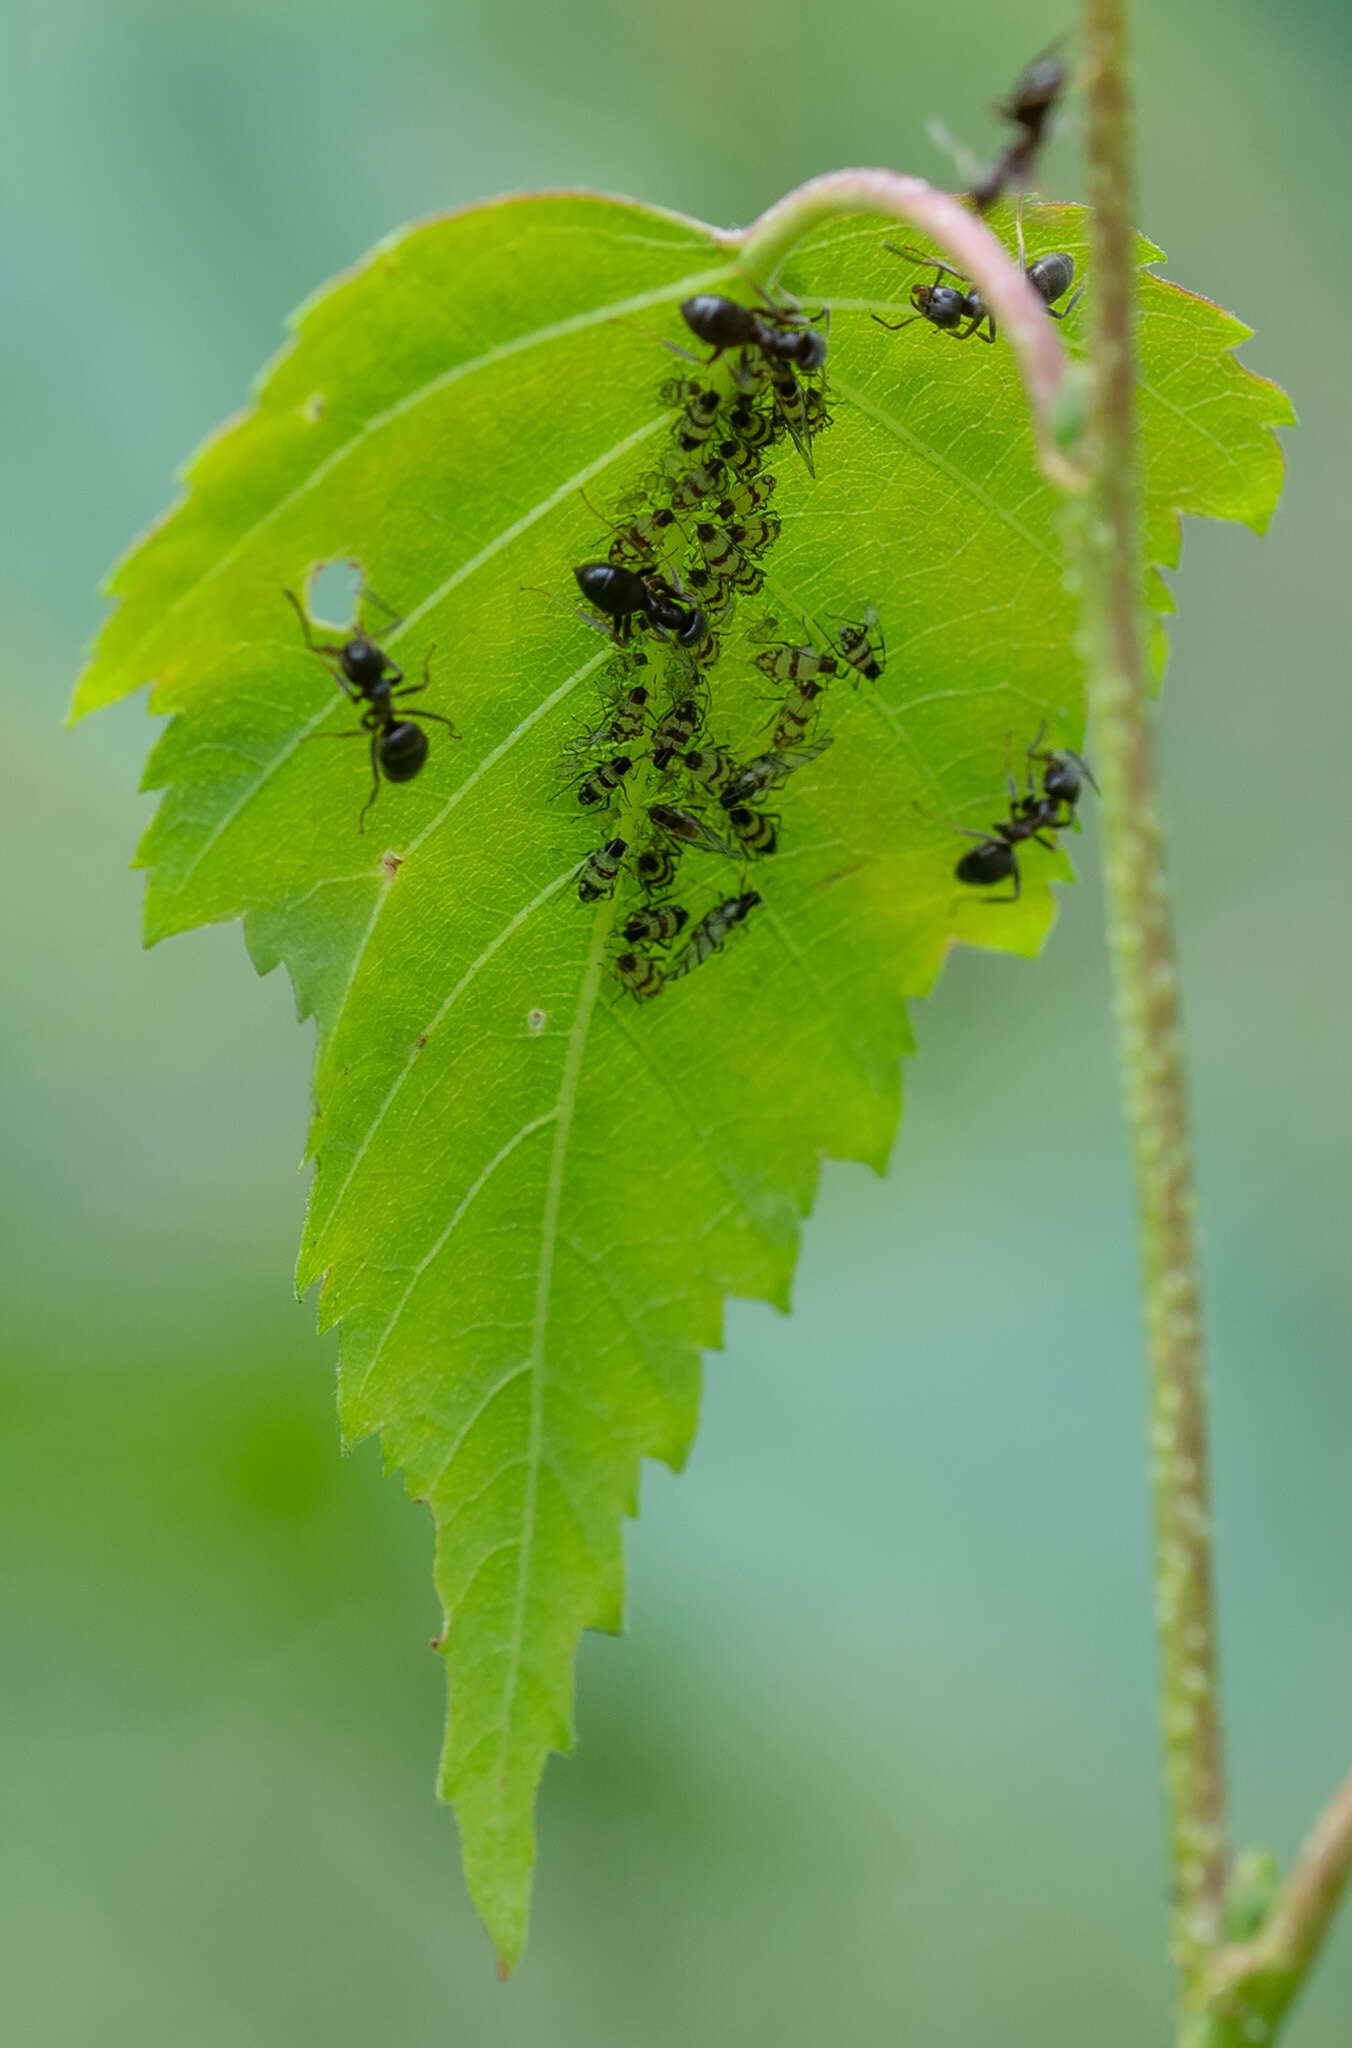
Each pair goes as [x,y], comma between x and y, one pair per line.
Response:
[1141,939]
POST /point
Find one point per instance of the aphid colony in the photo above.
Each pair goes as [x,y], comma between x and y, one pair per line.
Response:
[684,547]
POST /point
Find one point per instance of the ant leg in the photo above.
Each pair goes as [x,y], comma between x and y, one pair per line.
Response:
[1068,308]
[951,823]
[895,326]
[375,782]
[437,716]
[1014,894]
[353,733]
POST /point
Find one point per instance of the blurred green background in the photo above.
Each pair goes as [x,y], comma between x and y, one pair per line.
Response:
[876,1761]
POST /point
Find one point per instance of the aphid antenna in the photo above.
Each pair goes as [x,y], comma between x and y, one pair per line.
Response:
[601,626]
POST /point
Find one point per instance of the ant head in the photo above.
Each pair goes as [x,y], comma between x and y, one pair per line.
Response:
[362,662]
[810,353]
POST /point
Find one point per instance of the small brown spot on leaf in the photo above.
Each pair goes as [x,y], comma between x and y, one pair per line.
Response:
[313,408]
[391,862]
[420,1041]
[536,1021]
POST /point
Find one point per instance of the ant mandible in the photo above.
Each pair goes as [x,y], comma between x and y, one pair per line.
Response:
[367,675]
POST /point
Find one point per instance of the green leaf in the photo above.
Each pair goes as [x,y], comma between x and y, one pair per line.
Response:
[533,1195]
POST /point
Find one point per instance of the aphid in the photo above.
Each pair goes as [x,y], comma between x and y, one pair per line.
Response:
[367,675]
[781,332]
[711,931]
[746,497]
[679,390]
[755,832]
[626,724]
[641,976]
[656,868]
[713,766]
[601,782]
[1051,277]
[796,714]
[599,871]
[943,305]
[1030,106]
[674,731]
[687,830]
[743,458]
[643,537]
[856,644]
[754,535]
[785,664]
[753,778]
[622,595]
[695,485]
[698,419]
[629,719]
[752,425]
[658,925]
[625,661]
[726,555]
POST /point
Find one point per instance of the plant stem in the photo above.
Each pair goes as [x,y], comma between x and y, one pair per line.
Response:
[974,250]
[1141,941]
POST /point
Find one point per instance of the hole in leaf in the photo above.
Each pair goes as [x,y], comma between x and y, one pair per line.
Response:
[332,594]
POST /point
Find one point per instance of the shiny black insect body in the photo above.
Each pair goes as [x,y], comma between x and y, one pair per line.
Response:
[1051,277]
[601,782]
[624,595]
[657,925]
[600,871]
[953,309]
[1032,816]
[683,829]
[641,976]
[368,676]
[779,334]
[712,931]
[1064,774]
[855,642]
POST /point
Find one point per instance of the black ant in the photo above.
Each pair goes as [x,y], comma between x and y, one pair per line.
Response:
[781,334]
[1030,106]
[367,675]
[994,859]
[943,305]
[946,308]
[621,594]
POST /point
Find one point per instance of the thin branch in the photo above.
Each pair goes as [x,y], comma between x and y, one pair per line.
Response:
[1253,1984]
[974,250]
[1141,940]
